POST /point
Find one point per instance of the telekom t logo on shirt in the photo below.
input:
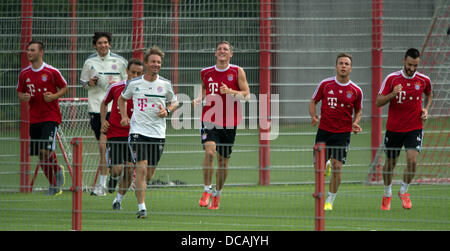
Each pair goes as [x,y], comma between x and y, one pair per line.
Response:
[401,96]
[142,103]
[213,88]
[332,102]
[32,89]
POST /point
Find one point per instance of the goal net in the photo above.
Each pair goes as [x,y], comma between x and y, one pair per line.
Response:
[434,165]
[75,123]
[434,160]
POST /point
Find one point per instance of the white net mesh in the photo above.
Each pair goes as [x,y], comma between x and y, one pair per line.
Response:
[75,123]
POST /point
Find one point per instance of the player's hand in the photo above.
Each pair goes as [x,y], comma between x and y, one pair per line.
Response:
[93,81]
[424,114]
[196,101]
[125,122]
[49,97]
[356,128]
[25,97]
[162,112]
[314,120]
[397,89]
[105,126]
[224,88]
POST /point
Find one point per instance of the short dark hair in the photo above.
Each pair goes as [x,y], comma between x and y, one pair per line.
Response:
[99,34]
[39,43]
[134,61]
[344,55]
[412,52]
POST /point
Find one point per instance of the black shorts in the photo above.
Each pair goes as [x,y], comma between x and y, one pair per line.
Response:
[96,123]
[223,137]
[118,151]
[146,148]
[394,141]
[336,144]
[43,136]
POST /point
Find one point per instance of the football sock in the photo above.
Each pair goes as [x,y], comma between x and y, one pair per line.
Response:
[49,167]
[102,180]
[54,162]
[217,193]
[388,191]
[119,197]
[331,197]
[404,188]
[207,189]
[48,172]
[142,207]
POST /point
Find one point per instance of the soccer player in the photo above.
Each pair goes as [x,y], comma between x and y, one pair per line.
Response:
[153,101]
[99,71]
[341,99]
[403,90]
[117,143]
[41,85]
[223,85]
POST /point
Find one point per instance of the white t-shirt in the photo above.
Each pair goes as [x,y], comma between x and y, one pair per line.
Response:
[148,97]
[109,69]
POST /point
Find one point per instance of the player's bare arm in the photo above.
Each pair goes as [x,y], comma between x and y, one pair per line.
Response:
[428,99]
[123,111]
[165,111]
[244,90]
[199,99]
[384,99]
[103,112]
[24,96]
[49,97]
[355,125]
[313,113]
[93,81]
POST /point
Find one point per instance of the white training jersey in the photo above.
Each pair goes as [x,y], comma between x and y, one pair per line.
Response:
[148,98]
[109,69]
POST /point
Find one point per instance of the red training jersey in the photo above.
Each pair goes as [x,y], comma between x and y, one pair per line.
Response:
[221,109]
[406,109]
[338,103]
[36,82]
[112,94]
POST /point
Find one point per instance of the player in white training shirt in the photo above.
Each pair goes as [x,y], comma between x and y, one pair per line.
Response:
[100,70]
[153,101]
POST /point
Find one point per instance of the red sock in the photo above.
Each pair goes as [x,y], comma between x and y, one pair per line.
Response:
[46,168]
[50,167]
[54,162]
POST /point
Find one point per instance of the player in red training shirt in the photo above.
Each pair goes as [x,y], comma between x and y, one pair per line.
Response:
[41,85]
[117,135]
[223,85]
[403,91]
[341,98]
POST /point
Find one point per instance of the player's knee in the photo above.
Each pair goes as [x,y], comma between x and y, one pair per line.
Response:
[411,157]
[116,171]
[336,164]
[210,152]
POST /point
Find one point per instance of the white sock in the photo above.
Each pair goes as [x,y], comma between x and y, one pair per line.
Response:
[207,189]
[331,197]
[217,192]
[388,191]
[102,180]
[119,197]
[142,207]
[404,188]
